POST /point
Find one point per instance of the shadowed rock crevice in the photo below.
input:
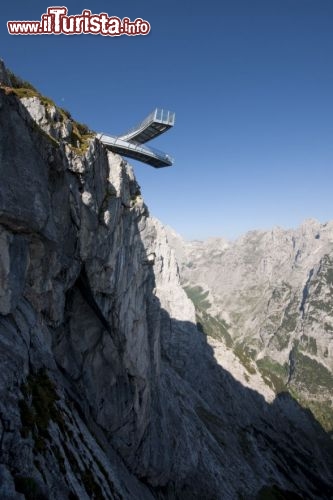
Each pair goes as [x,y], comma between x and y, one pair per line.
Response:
[83,286]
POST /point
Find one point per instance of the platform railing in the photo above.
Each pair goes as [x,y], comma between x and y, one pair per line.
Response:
[134,146]
[158,115]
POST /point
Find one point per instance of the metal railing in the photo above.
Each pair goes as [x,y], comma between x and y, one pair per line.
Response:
[134,146]
[158,115]
[164,116]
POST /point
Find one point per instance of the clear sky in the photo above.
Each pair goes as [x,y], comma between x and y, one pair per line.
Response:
[251,82]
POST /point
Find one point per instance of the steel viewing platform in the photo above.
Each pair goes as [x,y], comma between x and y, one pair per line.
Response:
[131,143]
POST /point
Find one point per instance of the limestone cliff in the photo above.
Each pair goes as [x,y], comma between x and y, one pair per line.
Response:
[107,388]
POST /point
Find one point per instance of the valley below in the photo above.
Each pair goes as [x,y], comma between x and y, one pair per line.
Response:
[267,299]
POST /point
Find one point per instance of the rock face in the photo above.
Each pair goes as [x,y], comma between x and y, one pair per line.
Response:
[274,291]
[107,387]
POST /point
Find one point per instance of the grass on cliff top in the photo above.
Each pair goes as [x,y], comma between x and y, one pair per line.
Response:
[80,135]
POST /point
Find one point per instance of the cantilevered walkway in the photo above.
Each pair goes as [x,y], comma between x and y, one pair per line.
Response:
[131,143]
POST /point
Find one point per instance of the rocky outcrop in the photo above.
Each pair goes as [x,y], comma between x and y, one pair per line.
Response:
[107,388]
[273,289]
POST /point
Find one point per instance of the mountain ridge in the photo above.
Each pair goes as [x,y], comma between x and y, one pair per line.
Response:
[274,290]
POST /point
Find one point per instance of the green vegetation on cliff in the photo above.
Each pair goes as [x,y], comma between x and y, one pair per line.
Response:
[209,325]
[80,133]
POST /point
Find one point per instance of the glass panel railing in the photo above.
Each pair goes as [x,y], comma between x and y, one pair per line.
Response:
[157,153]
[158,114]
[149,119]
[133,146]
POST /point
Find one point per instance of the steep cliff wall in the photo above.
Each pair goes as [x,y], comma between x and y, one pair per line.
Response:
[107,388]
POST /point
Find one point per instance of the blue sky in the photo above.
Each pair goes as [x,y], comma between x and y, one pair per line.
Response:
[251,83]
